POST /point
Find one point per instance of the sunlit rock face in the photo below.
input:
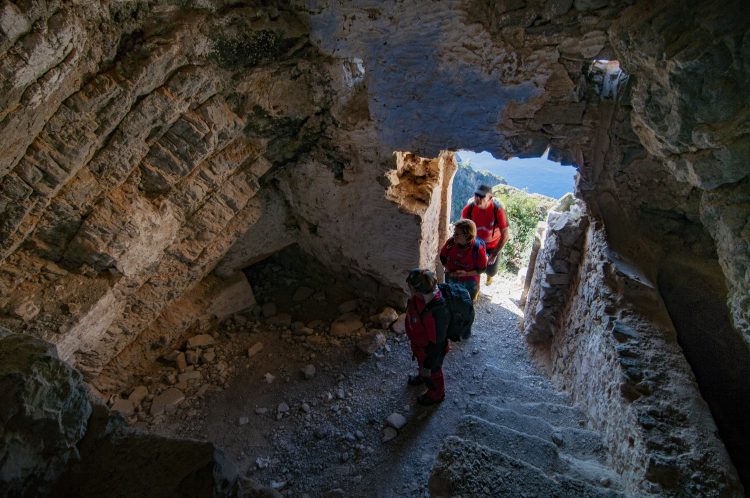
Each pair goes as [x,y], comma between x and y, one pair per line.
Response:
[151,151]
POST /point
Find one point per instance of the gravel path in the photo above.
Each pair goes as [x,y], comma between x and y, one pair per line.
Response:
[327,435]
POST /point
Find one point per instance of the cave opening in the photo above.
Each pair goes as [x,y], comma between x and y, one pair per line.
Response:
[695,296]
[293,285]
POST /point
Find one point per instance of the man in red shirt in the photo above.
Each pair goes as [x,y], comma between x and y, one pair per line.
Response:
[492,225]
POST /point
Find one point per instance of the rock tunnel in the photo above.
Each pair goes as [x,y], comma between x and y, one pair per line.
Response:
[153,151]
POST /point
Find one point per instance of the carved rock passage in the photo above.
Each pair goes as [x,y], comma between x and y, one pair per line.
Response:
[152,151]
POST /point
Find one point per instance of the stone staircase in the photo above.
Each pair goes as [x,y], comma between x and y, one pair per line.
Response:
[521,437]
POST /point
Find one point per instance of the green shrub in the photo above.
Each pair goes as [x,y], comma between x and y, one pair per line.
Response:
[524,212]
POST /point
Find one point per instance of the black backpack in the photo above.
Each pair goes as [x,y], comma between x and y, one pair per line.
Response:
[460,308]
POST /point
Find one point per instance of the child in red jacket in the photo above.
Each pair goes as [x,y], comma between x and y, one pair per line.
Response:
[427,322]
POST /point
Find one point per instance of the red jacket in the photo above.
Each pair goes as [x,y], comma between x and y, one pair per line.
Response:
[427,330]
[455,257]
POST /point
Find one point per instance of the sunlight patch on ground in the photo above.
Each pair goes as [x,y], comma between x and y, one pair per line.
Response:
[505,291]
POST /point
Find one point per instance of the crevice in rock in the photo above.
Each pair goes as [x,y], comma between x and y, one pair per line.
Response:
[695,295]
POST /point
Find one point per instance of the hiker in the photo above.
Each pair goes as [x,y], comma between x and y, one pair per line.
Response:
[427,319]
[464,257]
[492,225]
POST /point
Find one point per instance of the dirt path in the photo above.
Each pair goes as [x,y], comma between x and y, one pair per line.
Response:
[326,435]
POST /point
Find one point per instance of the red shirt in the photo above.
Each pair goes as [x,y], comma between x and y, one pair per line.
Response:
[455,257]
[485,221]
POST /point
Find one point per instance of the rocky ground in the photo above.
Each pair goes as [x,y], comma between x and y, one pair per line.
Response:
[308,401]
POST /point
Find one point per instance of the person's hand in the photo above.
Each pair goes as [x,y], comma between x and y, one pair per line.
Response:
[460,273]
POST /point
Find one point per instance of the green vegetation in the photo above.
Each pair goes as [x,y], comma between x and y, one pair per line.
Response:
[524,211]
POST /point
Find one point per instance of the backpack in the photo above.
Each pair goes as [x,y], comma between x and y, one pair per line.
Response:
[460,308]
[496,204]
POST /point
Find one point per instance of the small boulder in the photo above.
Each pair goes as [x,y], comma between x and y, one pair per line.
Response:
[166,400]
[269,309]
[138,394]
[199,341]
[308,372]
[385,318]
[254,349]
[302,293]
[399,326]
[349,306]
[371,342]
[124,406]
[346,324]
[396,420]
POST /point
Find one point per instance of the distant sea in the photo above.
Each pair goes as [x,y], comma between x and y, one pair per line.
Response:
[536,175]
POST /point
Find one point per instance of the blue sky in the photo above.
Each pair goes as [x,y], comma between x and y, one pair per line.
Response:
[537,175]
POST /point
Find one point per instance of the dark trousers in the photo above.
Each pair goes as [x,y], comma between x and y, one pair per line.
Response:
[492,268]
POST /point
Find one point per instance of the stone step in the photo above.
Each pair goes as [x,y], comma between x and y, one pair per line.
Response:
[556,414]
[510,387]
[467,468]
[581,443]
[540,453]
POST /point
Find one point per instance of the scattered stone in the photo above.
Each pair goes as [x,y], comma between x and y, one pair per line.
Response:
[208,357]
[282,408]
[262,462]
[399,326]
[269,378]
[308,372]
[302,293]
[389,433]
[124,406]
[305,408]
[261,411]
[254,349]
[192,357]
[346,324]
[605,482]
[281,319]
[340,394]
[371,342]
[199,341]
[269,310]
[315,324]
[396,420]
[192,375]
[171,357]
[348,306]
[277,484]
[304,331]
[385,318]
[166,400]
[181,362]
[243,421]
[26,311]
[137,395]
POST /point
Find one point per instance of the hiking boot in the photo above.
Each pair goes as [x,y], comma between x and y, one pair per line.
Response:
[426,401]
[415,380]
[489,280]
